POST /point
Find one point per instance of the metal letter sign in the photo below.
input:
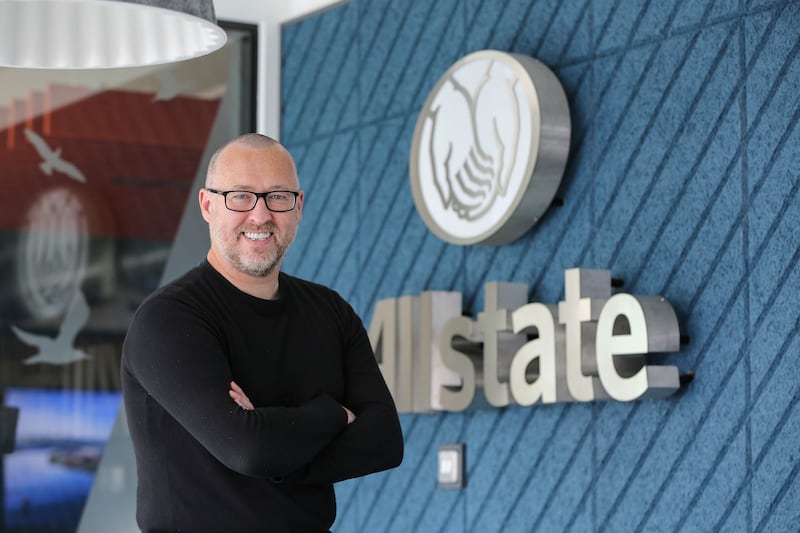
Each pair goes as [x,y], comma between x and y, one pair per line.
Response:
[489,148]
[591,346]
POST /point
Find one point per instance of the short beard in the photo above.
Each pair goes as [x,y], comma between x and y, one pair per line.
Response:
[257,267]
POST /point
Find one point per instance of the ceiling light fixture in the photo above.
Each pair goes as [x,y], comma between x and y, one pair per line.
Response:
[101,34]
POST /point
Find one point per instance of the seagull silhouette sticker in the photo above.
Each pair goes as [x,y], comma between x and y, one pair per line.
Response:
[170,86]
[59,350]
[51,159]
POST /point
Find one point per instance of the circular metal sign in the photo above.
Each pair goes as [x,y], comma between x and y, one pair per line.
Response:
[489,148]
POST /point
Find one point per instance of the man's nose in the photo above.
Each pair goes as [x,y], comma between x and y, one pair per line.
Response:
[260,211]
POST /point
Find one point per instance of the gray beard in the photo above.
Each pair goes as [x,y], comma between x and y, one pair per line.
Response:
[258,267]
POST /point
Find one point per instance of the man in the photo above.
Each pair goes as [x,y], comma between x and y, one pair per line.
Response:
[250,392]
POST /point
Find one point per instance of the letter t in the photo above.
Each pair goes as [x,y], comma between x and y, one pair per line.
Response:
[585,292]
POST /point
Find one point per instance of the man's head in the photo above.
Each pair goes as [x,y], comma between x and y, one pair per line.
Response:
[250,242]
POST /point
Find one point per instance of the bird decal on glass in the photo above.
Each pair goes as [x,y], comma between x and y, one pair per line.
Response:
[51,159]
[170,86]
[59,350]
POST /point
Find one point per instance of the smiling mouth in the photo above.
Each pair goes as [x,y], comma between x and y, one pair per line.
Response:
[257,236]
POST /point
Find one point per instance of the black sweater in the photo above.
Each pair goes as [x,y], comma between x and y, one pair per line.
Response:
[203,463]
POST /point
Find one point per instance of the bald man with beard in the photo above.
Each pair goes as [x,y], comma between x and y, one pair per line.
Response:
[250,392]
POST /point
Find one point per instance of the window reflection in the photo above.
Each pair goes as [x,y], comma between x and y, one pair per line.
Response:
[59,443]
[96,170]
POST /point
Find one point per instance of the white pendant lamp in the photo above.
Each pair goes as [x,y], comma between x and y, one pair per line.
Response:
[101,34]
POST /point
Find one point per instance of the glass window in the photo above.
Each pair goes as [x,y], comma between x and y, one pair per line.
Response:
[99,174]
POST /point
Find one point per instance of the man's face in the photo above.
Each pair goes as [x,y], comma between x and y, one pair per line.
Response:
[252,242]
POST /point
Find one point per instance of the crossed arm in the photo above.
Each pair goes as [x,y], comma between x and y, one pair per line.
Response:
[310,443]
[237,395]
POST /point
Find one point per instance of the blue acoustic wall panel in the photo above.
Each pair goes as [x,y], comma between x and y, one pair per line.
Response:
[682,180]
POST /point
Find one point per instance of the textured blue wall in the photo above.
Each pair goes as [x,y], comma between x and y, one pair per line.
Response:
[683,181]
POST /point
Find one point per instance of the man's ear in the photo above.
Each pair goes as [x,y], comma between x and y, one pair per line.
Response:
[204,197]
[300,198]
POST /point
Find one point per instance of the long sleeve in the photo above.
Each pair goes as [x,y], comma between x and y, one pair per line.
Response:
[374,442]
[300,359]
[178,359]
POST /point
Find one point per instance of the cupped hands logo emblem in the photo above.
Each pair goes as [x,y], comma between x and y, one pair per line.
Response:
[489,148]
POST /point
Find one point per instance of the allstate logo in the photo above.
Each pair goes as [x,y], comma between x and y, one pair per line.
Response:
[489,148]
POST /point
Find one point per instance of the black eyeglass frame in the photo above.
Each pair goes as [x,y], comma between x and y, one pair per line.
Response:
[257,195]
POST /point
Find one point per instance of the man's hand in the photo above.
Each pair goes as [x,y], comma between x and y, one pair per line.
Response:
[350,416]
[237,395]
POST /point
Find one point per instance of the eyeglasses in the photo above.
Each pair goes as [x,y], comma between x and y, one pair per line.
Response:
[241,201]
